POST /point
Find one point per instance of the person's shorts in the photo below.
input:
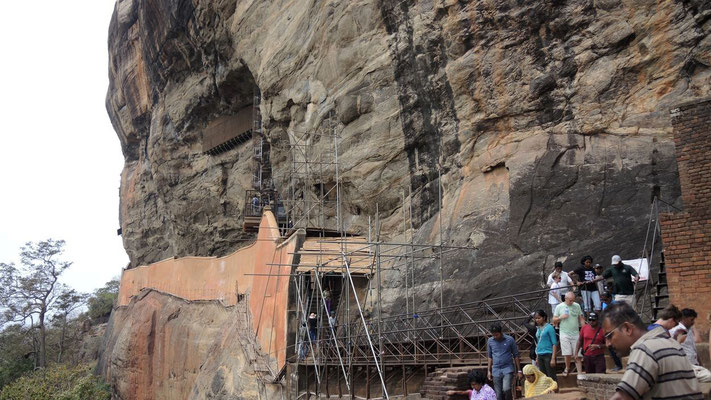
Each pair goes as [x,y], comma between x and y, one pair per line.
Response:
[567,344]
[629,299]
[594,364]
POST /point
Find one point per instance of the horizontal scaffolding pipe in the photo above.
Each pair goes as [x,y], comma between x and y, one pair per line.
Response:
[433,246]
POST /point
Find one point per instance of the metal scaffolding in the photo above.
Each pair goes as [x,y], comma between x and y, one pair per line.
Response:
[338,283]
[339,274]
[449,335]
[313,185]
[336,274]
[262,175]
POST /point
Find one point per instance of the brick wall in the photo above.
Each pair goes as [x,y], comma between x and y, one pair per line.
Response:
[598,386]
[687,235]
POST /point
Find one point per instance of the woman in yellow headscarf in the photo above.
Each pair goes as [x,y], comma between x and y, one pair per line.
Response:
[537,382]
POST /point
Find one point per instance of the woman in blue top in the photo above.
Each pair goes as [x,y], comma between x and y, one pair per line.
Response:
[547,344]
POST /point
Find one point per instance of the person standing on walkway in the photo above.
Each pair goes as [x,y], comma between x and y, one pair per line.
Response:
[328,300]
[555,295]
[503,362]
[622,277]
[565,279]
[255,205]
[657,367]
[333,322]
[600,282]
[592,343]
[606,299]
[531,328]
[587,281]
[304,344]
[569,316]
[547,344]
[313,326]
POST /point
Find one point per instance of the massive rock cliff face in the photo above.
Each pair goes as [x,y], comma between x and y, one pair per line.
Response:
[548,122]
[161,347]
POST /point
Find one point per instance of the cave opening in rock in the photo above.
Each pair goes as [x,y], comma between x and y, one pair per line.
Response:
[236,122]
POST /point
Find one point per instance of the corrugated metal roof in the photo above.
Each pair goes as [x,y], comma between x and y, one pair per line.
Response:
[228,131]
[326,253]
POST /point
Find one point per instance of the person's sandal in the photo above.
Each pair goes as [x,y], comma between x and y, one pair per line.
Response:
[565,372]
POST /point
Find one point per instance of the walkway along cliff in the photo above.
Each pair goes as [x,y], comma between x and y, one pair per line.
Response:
[488,139]
[197,326]
[254,280]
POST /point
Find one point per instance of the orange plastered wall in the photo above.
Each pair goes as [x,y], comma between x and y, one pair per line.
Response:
[252,270]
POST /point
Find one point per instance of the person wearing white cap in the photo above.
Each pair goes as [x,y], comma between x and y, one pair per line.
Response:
[622,276]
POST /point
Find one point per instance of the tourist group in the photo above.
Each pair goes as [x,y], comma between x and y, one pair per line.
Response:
[662,359]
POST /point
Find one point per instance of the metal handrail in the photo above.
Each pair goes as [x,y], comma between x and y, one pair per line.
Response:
[437,335]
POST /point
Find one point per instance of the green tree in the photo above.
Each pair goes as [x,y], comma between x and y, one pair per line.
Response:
[102,301]
[68,301]
[28,292]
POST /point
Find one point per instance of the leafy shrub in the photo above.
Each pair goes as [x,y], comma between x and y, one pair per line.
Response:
[16,353]
[12,369]
[103,299]
[59,382]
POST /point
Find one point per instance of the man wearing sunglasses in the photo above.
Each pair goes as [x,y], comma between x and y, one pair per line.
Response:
[657,367]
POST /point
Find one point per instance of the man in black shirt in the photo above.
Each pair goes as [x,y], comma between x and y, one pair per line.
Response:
[624,277]
[587,281]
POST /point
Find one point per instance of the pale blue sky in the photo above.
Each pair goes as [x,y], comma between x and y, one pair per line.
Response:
[60,160]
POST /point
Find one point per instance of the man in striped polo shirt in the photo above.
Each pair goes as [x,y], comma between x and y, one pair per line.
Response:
[657,367]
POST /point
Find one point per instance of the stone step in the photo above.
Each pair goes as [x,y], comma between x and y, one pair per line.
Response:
[433,388]
[567,382]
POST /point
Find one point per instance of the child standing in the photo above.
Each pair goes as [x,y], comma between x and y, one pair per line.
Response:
[554,295]
[600,280]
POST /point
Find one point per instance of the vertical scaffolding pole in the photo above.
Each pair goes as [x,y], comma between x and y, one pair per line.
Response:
[370,249]
[338,179]
[333,335]
[322,217]
[349,345]
[378,283]
[302,309]
[407,269]
[365,327]
[655,211]
[319,322]
[307,183]
[412,251]
[291,215]
[441,272]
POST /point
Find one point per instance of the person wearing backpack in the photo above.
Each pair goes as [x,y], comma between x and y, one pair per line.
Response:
[592,342]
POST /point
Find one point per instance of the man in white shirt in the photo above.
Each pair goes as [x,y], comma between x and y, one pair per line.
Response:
[565,279]
[684,334]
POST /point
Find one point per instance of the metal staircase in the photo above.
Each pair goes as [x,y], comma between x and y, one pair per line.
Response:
[661,297]
[262,176]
